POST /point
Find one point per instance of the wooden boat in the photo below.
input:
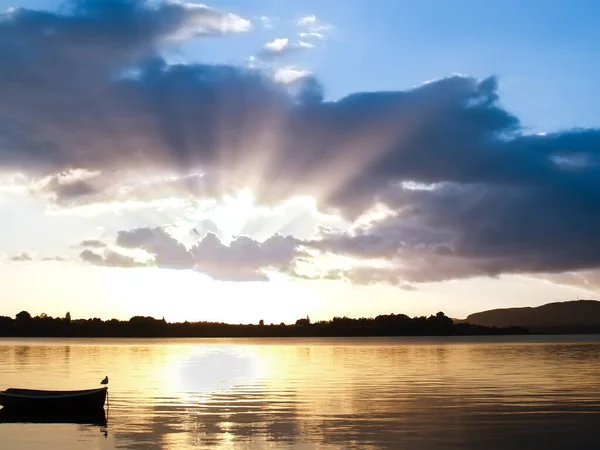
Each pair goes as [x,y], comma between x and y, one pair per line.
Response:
[59,402]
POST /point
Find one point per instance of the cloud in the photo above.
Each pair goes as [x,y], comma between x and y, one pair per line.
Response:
[168,252]
[55,258]
[68,186]
[102,192]
[587,279]
[459,231]
[311,35]
[110,258]
[23,256]
[92,243]
[26,256]
[90,112]
[81,62]
[276,45]
[244,259]
[289,75]
[315,27]
[196,19]
[376,275]
[281,47]
[122,29]
[307,21]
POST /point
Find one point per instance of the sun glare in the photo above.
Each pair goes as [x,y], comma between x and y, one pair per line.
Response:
[232,213]
[187,295]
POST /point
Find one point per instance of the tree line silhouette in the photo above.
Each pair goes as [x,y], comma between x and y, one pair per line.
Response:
[24,325]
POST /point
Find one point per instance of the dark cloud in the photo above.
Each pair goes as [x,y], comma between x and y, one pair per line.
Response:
[110,258]
[168,252]
[70,77]
[70,186]
[244,259]
[123,27]
[463,230]
[88,104]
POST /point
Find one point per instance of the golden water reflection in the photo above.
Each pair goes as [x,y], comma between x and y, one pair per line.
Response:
[426,393]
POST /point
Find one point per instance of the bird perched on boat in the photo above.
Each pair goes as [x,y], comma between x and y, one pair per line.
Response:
[105,381]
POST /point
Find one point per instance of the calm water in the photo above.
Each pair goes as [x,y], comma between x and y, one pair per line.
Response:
[400,393]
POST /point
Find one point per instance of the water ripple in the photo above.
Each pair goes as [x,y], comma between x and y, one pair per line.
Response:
[518,393]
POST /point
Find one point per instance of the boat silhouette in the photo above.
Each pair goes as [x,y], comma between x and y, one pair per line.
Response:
[12,415]
[66,401]
[43,406]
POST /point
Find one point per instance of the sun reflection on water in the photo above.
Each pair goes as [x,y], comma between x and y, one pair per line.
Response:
[318,393]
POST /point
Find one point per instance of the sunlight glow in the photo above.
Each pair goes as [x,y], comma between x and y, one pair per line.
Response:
[232,213]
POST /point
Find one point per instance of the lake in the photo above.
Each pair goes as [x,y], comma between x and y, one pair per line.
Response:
[517,392]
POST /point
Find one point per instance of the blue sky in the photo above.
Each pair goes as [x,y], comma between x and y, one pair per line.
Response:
[417,182]
[543,52]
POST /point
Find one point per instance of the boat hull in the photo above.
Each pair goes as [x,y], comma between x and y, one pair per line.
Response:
[28,400]
[92,417]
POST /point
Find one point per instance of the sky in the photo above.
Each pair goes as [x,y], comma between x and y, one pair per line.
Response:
[239,161]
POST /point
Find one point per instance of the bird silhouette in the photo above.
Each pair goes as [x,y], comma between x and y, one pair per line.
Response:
[105,381]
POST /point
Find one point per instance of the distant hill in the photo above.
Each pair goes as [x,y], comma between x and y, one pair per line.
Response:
[572,316]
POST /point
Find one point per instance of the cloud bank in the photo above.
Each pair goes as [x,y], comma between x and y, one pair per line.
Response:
[90,107]
[243,259]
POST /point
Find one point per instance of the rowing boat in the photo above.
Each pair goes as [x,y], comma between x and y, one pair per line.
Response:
[58,401]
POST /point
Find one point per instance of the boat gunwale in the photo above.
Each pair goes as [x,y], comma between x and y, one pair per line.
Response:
[22,393]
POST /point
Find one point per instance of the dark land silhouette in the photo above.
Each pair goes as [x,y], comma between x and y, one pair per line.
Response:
[24,325]
[579,316]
